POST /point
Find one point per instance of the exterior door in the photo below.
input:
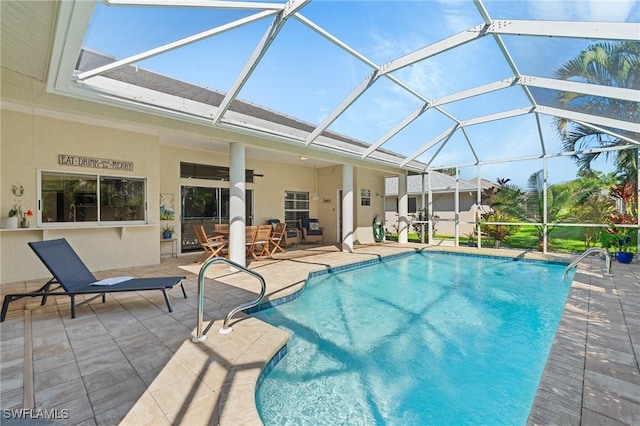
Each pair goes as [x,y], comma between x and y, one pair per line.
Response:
[206,206]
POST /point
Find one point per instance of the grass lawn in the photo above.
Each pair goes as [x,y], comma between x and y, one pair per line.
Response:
[561,239]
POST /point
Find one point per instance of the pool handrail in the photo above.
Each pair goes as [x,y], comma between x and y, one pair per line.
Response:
[587,252]
[200,336]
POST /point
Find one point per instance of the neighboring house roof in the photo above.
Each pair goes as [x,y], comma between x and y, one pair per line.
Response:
[439,183]
[484,184]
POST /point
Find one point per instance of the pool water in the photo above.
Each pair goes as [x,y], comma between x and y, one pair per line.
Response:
[424,339]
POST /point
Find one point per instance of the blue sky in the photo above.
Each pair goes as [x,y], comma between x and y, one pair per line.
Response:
[305,76]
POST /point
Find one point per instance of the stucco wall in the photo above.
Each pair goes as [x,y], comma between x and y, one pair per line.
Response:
[329,181]
[33,137]
[32,142]
[328,205]
[443,207]
[268,189]
[373,181]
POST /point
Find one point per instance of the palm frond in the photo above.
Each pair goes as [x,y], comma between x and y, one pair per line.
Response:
[615,64]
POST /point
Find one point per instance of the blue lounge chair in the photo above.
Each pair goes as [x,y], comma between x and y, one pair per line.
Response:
[73,277]
[312,232]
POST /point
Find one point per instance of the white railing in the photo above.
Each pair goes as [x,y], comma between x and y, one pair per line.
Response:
[586,253]
[200,336]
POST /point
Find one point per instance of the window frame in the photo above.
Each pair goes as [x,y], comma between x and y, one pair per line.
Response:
[297,212]
[92,223]
[189,170]
[365,197]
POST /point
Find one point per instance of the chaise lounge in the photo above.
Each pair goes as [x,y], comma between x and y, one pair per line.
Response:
[73,278]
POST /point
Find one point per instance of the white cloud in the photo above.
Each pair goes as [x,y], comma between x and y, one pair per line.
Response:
[456,16]
[427,78]
[611,11]
[584,10]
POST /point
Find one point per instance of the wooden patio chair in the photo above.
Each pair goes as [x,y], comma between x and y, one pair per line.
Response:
[212,246]
[277,238]
[221,229]
[250,233]
[260,245]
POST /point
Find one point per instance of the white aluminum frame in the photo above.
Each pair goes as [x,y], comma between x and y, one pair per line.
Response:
[75,15]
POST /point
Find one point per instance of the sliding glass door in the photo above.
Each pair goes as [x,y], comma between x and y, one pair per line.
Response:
[206,206]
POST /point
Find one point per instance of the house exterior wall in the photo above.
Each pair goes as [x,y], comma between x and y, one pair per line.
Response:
[36,141]
[327,207]
[36,125]
[328,181]
[268,189]
[443,207]
[32,141]
[373,181]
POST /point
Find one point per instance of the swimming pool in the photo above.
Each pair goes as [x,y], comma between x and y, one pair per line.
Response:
[424,339]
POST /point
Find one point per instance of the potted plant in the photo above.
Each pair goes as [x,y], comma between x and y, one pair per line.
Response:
[167,231]
[620,240]
[624,254]
[12,221]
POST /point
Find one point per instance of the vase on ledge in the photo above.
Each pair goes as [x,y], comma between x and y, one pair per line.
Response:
[24,223]
[10,222]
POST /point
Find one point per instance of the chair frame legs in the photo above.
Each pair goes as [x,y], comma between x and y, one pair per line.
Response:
[276,247]
[44,292]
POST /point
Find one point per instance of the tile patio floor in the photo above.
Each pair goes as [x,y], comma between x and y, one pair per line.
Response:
[130,362]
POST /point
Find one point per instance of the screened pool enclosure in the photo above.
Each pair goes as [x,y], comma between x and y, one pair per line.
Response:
[537,103]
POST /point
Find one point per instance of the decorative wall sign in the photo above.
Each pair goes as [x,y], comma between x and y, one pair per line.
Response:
[96,163]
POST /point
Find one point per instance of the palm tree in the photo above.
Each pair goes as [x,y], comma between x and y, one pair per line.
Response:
[505,205]
[591,203]
[557,199]
[609,64]
[503,196]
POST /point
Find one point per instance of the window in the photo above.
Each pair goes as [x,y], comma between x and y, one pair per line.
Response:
[122,199]
[365,197]
[205,171]
[296,207]
[412,205]
[77,197]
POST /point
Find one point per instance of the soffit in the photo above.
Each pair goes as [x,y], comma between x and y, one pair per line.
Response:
[26,34]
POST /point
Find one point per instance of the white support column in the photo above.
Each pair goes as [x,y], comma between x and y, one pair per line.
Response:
[430,217]
[456,206]
[477,216]
[347,208]
[237,203]
[403,209]
[545,216]
[423,207]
